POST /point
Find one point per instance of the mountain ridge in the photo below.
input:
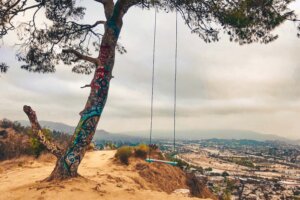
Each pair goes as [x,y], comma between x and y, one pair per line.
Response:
[181,135]
[99,135]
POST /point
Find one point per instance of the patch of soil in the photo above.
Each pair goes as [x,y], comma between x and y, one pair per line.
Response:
[164,177]
[198,188]
[167,178]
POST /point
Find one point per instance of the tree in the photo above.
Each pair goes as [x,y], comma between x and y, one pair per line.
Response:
[225,174]
[64,38]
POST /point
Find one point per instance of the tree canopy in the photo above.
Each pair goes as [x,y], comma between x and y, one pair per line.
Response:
[64,38]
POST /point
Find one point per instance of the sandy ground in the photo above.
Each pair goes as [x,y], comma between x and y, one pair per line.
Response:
[102,178]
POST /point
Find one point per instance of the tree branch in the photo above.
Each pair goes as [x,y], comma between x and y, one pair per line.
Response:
[87,85]
[55,150]
[108,7]
[82,57]
[124,5]
[102,1]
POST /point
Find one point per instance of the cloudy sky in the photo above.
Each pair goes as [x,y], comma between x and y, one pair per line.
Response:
[220,85]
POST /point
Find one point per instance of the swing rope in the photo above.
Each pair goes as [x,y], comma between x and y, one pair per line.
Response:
[153,80]
[153,73]
[175,82]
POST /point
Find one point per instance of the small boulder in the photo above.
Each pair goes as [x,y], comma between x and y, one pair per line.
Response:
[3,134]
[183,192]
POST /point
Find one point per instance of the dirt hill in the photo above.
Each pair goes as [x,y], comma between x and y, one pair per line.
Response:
[13,144]
[17,140]
[102,178]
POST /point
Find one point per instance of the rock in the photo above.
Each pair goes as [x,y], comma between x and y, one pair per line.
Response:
[3,134]
[141,166]
[98,187]
[183,192]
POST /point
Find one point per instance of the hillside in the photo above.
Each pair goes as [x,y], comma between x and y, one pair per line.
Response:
[210,134]
[17,140]
[102,176]
[99,135]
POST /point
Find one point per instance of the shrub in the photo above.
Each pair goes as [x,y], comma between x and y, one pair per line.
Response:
[36,146]
[110,145]
[5,123]
[224,174]
[17,126]
[198,168]
[3,134]
[209,169]
[123,154]
[141,151]
[153,147]
[91,147]
[244,162]
[180,163]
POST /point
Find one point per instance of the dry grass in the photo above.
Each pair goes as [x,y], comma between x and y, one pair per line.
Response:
[16,162]
[47,158]
[25,161]
[124,153]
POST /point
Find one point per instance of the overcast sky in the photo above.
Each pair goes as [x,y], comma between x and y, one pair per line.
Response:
[220,85]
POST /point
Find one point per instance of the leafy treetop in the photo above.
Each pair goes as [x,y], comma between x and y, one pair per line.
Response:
[63,37]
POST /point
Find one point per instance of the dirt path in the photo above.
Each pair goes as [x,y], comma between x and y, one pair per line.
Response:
[102,178]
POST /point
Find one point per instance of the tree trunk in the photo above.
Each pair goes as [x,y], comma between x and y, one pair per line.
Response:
[67,165]
[68,160]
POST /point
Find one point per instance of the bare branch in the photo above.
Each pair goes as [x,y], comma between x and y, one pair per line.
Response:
[87,85]
[55,150]
[82,57]
[102,1]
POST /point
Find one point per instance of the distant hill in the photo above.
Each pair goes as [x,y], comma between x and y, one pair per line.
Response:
[181,135]
[219,134]
[99,135]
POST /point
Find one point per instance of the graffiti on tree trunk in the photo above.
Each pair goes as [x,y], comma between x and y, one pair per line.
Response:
[95,104]
[89,119]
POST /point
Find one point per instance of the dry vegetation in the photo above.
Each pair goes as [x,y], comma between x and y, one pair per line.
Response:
[17,140]
[125,152]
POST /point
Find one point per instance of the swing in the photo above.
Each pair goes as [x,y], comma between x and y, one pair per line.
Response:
[175,94]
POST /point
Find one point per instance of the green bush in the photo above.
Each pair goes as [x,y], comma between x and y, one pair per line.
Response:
[180,163]
[123,154]
[209,169]
[36,146]
[244,162]
[110,146]
[141,151]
